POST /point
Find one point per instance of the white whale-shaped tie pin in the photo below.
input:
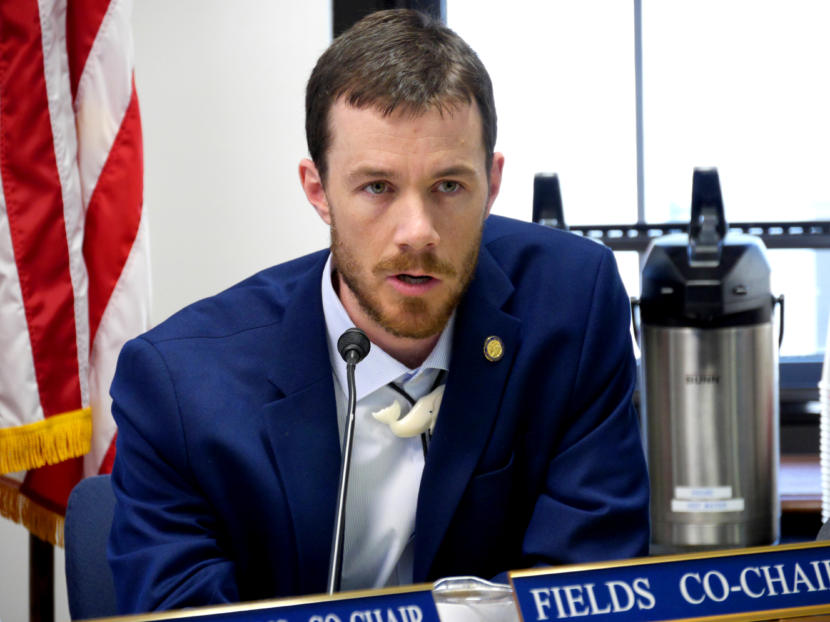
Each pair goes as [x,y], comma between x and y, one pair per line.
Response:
[419,419]
[390,414]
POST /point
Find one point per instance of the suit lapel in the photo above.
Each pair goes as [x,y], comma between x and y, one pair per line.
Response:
[302,427]
[469,408]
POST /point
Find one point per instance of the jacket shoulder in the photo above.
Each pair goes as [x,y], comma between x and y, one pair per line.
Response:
[522,245]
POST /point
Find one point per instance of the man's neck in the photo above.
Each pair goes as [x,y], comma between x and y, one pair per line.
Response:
[410,352]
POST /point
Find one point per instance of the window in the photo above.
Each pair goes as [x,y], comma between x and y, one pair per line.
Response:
[741,85]
[563,77]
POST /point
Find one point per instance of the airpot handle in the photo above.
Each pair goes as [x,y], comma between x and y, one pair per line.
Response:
[707,227]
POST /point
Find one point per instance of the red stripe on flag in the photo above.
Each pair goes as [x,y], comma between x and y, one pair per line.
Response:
[83,19]
[114,213]
[34,204]
[109,457]
[50,485]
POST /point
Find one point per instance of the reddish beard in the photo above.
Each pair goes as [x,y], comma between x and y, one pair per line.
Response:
[409,316]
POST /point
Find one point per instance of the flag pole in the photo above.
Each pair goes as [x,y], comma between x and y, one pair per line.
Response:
[41,580]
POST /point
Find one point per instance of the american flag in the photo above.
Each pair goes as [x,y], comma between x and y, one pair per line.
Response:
[74,254]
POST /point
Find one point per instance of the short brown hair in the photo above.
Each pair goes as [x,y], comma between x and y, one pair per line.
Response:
[397,59]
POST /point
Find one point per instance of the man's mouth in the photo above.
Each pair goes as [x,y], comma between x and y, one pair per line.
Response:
[413,279]
[409,284]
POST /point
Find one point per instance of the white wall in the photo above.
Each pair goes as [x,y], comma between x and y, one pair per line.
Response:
[221,86]
[221,89]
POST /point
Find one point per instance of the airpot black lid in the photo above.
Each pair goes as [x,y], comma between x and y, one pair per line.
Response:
[708,278]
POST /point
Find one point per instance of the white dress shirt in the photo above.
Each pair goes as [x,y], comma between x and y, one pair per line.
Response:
[385,470]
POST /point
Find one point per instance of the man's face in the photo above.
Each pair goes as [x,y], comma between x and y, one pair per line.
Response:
[406,197]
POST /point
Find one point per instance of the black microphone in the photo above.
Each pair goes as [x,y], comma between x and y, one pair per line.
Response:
[353,346]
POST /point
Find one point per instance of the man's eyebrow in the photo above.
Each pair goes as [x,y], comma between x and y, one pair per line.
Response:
[458,170]
[368,172]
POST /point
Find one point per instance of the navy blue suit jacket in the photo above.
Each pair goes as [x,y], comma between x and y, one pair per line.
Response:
[228,450]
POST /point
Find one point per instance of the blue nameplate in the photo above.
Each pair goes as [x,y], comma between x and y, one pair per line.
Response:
[406,604]
[781,581]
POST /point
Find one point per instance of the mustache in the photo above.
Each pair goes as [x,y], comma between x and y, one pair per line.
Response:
[426,263]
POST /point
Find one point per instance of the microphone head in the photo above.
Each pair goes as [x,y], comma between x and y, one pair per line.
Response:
[353,345]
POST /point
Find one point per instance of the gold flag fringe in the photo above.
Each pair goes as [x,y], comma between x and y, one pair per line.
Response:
[55,439]
[40,521]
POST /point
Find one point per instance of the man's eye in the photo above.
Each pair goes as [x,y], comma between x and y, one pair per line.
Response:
[376,187]
[448,187]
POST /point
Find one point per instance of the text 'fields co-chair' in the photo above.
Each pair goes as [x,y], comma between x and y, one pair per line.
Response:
[89,584]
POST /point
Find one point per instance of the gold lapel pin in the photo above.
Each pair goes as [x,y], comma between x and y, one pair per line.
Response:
[493,348]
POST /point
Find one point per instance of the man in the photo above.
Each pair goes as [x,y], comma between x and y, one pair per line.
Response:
[231,412]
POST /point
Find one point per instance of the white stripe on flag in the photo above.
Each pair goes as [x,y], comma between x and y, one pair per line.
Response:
[102,100]
[104,91]
[19,398]
[127,314]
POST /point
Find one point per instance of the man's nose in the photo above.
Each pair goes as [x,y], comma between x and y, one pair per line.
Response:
[415,229]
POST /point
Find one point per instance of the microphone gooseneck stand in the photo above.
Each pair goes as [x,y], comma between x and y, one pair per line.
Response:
[353,346]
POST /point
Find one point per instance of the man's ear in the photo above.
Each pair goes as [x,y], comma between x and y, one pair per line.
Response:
[313,187]
[495,180]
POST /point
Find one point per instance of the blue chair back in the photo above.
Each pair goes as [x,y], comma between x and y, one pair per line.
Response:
[89,582]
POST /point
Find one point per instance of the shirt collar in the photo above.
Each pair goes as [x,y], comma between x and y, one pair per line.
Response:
[378,368]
